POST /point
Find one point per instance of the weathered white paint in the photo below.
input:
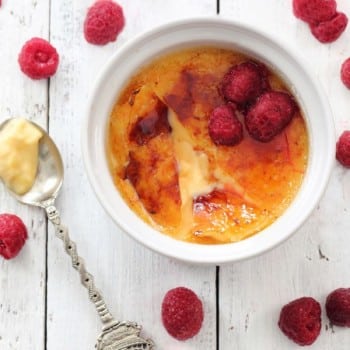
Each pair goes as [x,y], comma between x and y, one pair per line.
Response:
[133,279]
[316,260]
[22,280]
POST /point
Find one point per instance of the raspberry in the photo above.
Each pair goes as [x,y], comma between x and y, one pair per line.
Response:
[244,82]
[13,234]
[343,149]
[314,11]
[300,320]
[271,113]
[338,307]
[330,30]
[103,23]
[224,127]
[345,73]
[182,313]
[38,59]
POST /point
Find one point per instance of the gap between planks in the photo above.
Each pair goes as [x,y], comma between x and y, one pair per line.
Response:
[46,219]
[217,275]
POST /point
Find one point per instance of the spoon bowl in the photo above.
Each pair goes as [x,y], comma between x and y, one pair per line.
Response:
[49,176]
[221,34]
[115,335]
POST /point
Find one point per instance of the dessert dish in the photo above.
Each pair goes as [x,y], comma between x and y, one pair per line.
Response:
[181,157]
[220,34]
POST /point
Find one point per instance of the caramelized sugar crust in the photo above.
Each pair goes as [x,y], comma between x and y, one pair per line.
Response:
[170,172]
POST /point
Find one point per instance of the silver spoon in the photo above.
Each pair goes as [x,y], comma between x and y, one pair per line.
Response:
[115,335]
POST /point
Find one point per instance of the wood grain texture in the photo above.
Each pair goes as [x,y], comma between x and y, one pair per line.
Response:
[22,280]
[132,279]
[315,261]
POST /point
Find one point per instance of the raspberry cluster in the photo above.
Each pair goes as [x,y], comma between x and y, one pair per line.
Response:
[325,22]
[326,25]
[245,88]
[103,23]
[300,320]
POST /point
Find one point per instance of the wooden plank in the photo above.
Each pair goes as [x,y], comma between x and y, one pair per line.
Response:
[22,281]
[132,278]
[315,261]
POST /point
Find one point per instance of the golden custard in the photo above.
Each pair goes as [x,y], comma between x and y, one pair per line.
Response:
[174,177]
[19,149]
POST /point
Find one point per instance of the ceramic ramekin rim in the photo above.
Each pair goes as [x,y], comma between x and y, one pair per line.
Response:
[189,252]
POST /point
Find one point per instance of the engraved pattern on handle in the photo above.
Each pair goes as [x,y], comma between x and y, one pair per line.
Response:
[115,335]
[86,278]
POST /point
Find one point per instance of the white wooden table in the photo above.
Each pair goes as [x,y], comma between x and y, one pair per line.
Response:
[43,306]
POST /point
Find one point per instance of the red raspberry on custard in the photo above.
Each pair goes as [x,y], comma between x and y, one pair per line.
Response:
[343,149]
[330,30]
[38,59]
[300,320]
[103,23]
[314,11]
[244,82]
[345,73]
[182,313]
[270,114]
[338,307]
[13,235]
[224,126]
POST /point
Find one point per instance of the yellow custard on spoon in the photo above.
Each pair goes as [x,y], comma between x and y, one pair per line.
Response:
[19,147]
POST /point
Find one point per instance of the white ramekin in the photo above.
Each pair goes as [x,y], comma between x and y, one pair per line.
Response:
[227,34]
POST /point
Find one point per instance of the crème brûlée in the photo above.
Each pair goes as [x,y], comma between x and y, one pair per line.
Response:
[19,147]
[171,173]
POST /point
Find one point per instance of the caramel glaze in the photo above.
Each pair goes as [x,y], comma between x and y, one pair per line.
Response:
[253,182]
[151,124]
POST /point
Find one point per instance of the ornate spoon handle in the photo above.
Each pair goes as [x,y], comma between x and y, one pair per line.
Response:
[86,278]
[115,335]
